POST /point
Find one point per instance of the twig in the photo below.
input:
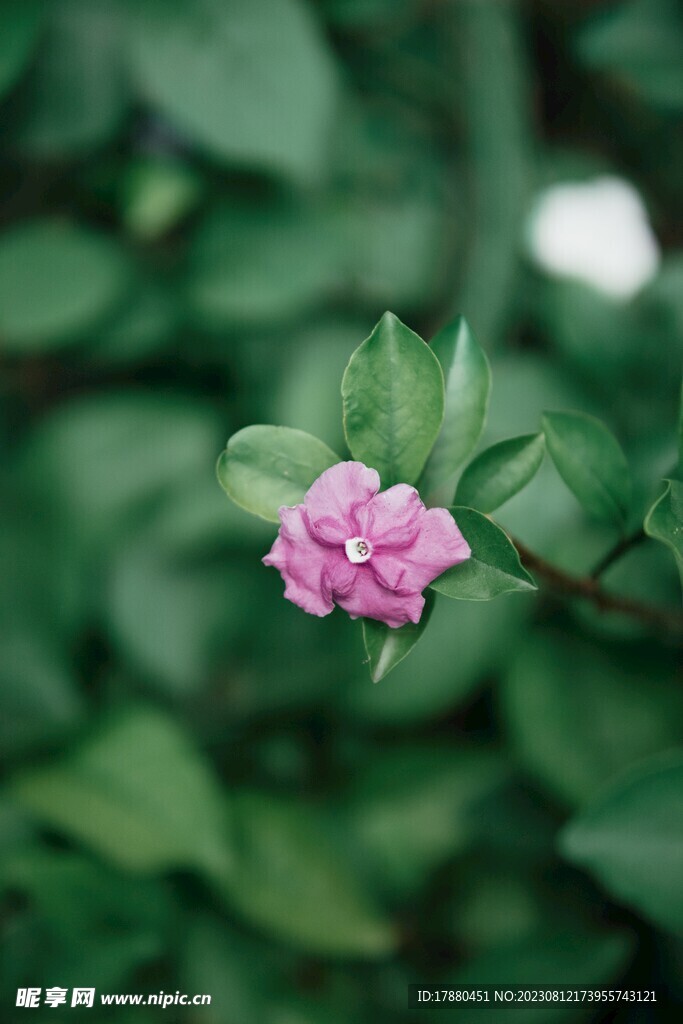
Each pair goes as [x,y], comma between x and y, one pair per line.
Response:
[589,589]
[619,549]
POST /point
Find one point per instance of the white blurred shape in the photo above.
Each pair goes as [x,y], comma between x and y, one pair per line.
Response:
[597,231]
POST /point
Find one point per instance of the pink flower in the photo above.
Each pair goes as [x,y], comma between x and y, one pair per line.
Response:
[372,554]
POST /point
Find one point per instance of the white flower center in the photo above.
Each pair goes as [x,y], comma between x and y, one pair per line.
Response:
[358,550]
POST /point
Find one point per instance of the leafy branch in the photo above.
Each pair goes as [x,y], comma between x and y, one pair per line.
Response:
[662,620]
[414,413]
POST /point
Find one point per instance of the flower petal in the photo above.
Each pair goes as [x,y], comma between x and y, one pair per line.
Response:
[438,545]
[302,562]
[391,519]
[368,599]
[339,575]
[335,499]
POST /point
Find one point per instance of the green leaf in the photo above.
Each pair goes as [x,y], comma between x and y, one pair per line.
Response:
[366,14]
[500,472]
[449,668]
[493,568]
[137,792]
[39,696]
[577,715]
[197,520]
[496,903]
[393,396]
[21,20]
[631,839]
[495,87]
[256,262]
[266,467]
[308,395]
[415,805]
[73,895]
[386,647]
[173,617]
[238,970]
[74,97]
[41,603]
[572,957]
[57,280]
[103,463]
[590,461]
[253,83]
[291,879]
[467,375]
[137,331]
[157,193]
[398,236]
[597,334]
[249,974]
[40,587]
[16,831]
[543,383]
[541,512]
[639,43]
[664,521]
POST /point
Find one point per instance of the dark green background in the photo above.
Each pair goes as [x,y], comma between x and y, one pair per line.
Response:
[206,205]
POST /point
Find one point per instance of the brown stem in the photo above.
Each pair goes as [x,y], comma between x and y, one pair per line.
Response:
[588,588]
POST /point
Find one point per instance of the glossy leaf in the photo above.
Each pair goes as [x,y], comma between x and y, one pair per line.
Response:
[494,567]
[631,839]
[467,376]
[590,461]
[56,281]
[500,472]
[137,792]
[664,521]
[386,647]
[266,467]
[20,24]
[292,881]
[393,396]
[253,83]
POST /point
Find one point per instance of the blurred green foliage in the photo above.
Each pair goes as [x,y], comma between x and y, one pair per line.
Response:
[206,205]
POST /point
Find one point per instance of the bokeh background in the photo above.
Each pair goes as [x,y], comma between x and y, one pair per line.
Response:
[206,205]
